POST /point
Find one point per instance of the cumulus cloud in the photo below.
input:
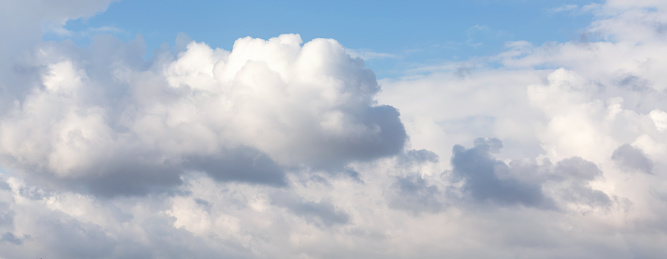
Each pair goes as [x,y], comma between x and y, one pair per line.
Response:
[240,115]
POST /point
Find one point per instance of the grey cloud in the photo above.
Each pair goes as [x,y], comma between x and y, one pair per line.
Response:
[11,238]
[68,238]
[167,242]
[575,173]
[32,193]
[4,185]
[204,204]
[479,170]
[118,176]
[126,175]
[411,191]
[315,179]
[392,135]
[241,164]
[415,194]
[389,141]
[584,194]
[54,234]
[576,168]
[632,158]
[320,177]
[411,157]
[321,213]
[6,215]
[635,83]
[129,176]
[487,179]
[462,72]
[131,179]
[353,174]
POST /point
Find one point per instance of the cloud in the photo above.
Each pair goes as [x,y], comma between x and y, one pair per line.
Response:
[414,194]
[242,164]
[412,157]
[322,212]
[632,158]
[240,115]
[279,148]
[564,8]
[574,175]
[11,238]
[659,119]
[480,172]
[66,238]
[367,54]
[7,217]
[592,107]
[24,22]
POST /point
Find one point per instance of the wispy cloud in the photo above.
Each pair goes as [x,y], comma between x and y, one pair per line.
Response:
[564,8]
[366,54]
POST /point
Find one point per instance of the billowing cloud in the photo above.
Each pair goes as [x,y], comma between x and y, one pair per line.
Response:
[243,115]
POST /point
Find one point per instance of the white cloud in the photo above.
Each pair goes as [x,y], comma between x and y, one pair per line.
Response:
[290,104]
[556,101]
[659,119]
[23,21]
[564,8]
[368,54]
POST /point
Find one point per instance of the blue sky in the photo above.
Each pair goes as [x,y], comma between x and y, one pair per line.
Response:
[346,129]
[414,33]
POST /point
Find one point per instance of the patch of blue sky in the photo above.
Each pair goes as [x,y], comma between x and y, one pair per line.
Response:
[392,35]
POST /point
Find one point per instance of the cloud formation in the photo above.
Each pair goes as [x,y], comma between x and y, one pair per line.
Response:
[240,115]
[542,186]
[480,173]
[280,148]
[632,158]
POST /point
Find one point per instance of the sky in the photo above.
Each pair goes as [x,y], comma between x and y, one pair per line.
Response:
[347,129]
[415,34]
